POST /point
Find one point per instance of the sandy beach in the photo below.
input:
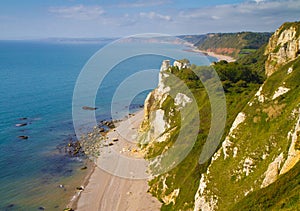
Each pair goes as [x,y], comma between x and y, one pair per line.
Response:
[218,56]
[110,192]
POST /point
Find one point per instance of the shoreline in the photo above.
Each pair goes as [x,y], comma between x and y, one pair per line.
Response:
[219,57]
[98,177]
[74,200]
[102,189]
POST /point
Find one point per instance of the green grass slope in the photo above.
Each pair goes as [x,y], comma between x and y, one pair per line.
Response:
[241,80]
[284,194]
[261,138]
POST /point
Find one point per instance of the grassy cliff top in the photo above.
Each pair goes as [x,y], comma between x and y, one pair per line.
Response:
[288,25]
[231,44]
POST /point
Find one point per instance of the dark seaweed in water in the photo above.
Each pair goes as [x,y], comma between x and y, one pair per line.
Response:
[60,168]
[69,149]
[9,207]
[135,106]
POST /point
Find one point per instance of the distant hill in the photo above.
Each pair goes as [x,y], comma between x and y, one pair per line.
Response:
[231,44]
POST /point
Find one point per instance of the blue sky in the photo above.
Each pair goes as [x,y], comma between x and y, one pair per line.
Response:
[116,18]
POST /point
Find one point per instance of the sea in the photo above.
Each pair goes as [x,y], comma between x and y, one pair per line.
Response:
[38,78]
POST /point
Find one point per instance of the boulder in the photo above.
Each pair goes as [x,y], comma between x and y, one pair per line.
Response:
[21,125]
[80,188]
[89,108]
[84,168]
[68,209]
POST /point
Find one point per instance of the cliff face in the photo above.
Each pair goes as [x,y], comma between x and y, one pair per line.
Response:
[155,122]
[159,118]
[160,130]
[283,46]
[260,150]
[262,143]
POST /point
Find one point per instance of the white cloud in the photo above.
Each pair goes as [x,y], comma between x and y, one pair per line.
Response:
[251,15]
[261,15]
[78,12]
[155,16]
[256,7]
[214,17]
[140,3]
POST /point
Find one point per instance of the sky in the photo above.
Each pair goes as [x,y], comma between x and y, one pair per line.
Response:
[31,19]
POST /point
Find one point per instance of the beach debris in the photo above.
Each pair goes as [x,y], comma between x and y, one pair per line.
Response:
[84,168]
[109,124]
[81,188]
[61,186]
[68,209]
[23,137]
[89,108]
[21,124]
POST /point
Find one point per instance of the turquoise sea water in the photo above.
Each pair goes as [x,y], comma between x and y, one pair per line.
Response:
[37,82]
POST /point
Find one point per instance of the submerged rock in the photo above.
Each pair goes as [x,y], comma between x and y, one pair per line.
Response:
[109,124]
[74,149]
[10,206]
[89,108]
[21,125]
